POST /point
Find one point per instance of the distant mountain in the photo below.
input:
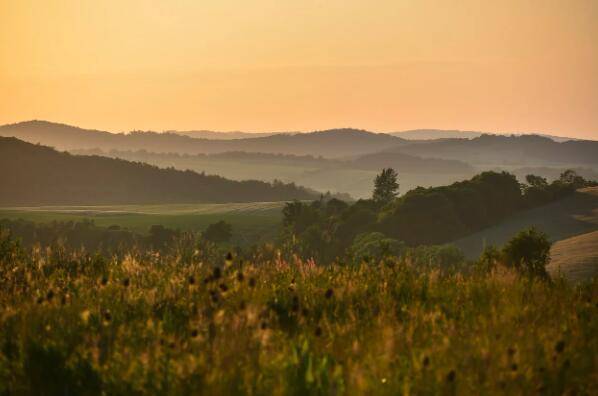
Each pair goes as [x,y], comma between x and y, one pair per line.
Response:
[331,143]
[214,135]
[498,150]
[406,163]
[38,175]
[435,134]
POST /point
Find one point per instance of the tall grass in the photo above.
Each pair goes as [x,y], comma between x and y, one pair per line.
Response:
[73,323]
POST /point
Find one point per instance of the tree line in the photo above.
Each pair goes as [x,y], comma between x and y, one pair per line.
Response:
[329,230]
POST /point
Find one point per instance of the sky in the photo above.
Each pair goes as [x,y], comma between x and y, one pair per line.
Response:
[278,65]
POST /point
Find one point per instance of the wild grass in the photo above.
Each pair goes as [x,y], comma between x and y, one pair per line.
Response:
[73,323]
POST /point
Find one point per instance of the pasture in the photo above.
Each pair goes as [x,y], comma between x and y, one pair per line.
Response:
[251,222]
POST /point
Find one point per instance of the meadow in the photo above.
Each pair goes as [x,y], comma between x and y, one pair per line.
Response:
[251,222]
[185,322]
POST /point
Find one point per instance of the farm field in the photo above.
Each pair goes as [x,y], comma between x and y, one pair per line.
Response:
[250,221]
[576,257]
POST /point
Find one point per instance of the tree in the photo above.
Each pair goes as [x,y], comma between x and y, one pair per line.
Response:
[571,178]
[373,247]
[386,186]
[536,181]
[219,232]
[528,252]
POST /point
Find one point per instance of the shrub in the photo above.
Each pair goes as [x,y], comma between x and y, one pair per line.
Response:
[528,252]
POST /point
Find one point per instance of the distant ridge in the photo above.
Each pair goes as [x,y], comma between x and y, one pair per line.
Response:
[434,134]
[330,143]
[39,175]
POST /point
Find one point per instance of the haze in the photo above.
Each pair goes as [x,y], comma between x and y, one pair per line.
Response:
[507,66]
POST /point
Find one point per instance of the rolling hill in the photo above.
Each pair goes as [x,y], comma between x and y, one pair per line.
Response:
[574,215]
[39,175]
[576,258]
[352,176]
[331,143]
[435,134]
[495,150]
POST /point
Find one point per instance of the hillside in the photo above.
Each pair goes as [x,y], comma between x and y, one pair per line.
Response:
[215,135]
[576,258]
[39,175]
[352,176]
[574,215]
[434,134]
[331,143]
[495,150]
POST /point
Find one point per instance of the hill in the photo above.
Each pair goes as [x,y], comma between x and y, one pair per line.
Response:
[434,134]
[576,257]
[574,215]
[495,150]
[39,175]
[215,135]
[352,176]
[330,143]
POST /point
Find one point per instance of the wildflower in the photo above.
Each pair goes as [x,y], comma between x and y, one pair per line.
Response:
[318,331]
[295,304]
[450,377]
[107,316]
[85,316]
[329,293]
[560,346]
[426,361]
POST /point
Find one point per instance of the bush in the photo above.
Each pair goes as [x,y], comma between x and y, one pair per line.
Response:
[373,247]
[528,252]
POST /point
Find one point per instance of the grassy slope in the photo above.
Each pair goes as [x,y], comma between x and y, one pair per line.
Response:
[571,216]
[250,221]
[577,257]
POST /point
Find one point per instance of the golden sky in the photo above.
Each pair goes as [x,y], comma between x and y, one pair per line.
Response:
[281,65]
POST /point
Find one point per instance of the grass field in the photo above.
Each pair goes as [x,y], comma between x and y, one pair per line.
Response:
[576,257]
[176,325]
[251,221]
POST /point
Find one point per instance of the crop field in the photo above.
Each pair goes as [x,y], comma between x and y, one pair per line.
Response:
[250,221]
[576,257]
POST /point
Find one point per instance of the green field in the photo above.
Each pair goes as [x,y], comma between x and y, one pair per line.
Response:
[251,221]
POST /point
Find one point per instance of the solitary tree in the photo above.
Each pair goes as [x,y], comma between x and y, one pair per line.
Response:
[386,186]
[528,252]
